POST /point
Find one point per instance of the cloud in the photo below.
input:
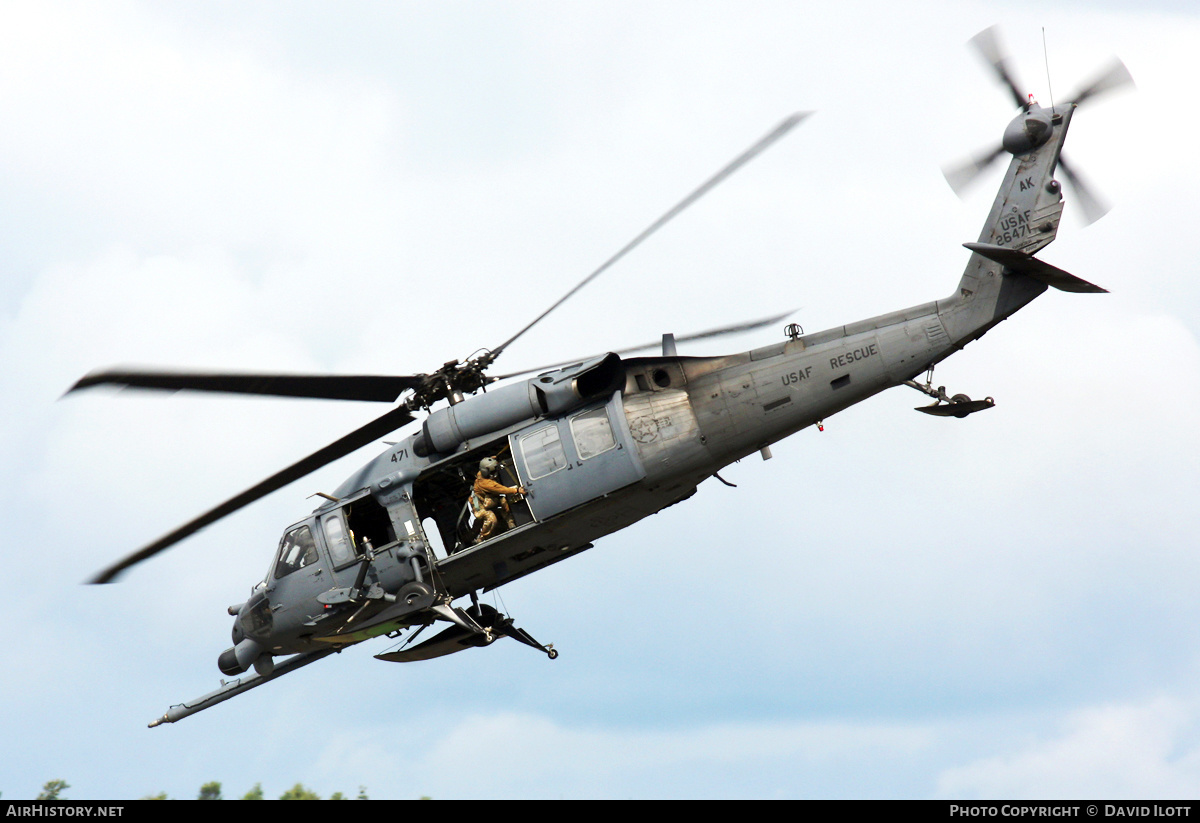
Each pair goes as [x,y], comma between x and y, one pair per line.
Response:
[529,755]
[169,139]
[1141,749]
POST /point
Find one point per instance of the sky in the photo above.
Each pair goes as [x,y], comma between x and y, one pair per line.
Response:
[900,606]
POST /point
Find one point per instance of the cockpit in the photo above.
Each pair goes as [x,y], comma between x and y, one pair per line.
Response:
[346,532]
[297,550]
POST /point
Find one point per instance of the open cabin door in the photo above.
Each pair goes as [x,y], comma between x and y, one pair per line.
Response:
[577,458]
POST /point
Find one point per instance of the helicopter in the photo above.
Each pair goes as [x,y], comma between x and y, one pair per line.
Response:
[499,482]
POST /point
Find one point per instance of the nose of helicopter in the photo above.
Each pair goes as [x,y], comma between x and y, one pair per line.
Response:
[251,630]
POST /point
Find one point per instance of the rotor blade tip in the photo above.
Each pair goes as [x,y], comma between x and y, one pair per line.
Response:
[89,379]
[958,179]
[793,120]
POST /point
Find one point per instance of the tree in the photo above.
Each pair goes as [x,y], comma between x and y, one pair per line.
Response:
[53,789]
[254,794]
[298,792]
[211,791]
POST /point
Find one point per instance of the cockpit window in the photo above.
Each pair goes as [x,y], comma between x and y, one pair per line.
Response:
[297,550]
[337,539]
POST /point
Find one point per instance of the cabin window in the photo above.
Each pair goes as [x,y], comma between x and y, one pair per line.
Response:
[367,520]
[433,535]
[337,539]
[297,550]
[593,433]
[543,452]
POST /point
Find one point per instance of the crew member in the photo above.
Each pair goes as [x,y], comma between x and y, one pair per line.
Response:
[485,498]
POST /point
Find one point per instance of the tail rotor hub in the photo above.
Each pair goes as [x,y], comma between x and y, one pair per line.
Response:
[1034,126]
[1029,130]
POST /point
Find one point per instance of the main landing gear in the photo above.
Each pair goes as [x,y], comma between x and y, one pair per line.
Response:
[493,625]
[957,406]
[479,625]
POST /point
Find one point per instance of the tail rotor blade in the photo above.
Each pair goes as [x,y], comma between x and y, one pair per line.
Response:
[1113,77]
[988,45]
[1091,204]
[961,175]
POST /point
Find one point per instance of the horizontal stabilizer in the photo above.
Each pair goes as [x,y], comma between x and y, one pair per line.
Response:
[959,408]
[449,641]
[1027,264]
[480,626]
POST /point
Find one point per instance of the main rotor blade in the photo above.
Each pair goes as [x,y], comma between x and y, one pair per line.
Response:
[988,45]
[1114,76]
[741,160]
[379,388]
[358,438]
[703,335]
[720,331]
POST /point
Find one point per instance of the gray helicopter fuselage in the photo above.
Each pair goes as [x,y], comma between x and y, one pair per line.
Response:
[600,445]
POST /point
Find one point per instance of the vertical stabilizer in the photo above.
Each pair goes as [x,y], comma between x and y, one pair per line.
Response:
[1028,207]
[1024,218]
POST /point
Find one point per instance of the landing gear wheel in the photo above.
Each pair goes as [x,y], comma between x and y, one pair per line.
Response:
[960,398]
[552,654]
[414,592]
